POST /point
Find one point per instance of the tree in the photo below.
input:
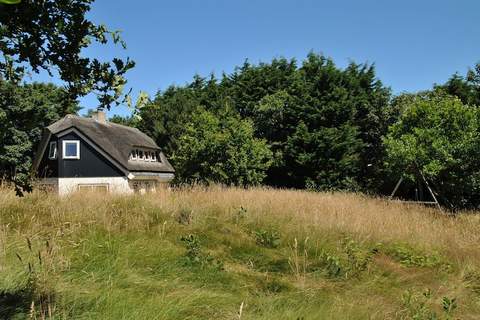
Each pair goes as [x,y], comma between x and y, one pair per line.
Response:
[24,112]
[248,84]
[220,149]
[164,119]
[465,88]
[438,136]
[128,121]
[326,115]
[51,35]
[341,113]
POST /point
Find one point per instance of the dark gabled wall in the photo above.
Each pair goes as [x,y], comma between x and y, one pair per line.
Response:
[90,164]
[48,168]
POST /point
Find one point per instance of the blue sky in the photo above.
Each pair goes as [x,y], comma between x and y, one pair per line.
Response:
[412,43]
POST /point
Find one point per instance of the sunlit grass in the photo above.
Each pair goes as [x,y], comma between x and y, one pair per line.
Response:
[273,254]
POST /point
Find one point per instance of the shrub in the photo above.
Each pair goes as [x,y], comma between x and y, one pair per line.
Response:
[414,258]
[267,238]
[349,263]
[194,255]
[332,265]
[421,306]
[357,259]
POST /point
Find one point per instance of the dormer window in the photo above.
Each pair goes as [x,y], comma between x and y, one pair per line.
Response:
[52,151]
[71,149]
[144,155]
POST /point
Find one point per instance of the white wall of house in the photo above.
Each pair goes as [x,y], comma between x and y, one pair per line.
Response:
[65,186]
[115,184]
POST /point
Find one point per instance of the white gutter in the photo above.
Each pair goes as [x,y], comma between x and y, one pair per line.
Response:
[159,176]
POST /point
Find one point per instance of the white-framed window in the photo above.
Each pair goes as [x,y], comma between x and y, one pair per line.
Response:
[71,149]
[144,155]
[133,155]
[52,151]
[97,188]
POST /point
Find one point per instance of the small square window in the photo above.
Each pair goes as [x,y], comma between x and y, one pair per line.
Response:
[71,149]
[52,151]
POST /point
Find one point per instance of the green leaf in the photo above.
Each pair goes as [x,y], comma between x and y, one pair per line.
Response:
[10,1]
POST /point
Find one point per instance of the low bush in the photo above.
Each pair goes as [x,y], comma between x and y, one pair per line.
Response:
[267,238]
[411,257]
[194,255]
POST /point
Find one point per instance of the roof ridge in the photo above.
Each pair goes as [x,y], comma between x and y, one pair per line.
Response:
[123,126]
[103,123]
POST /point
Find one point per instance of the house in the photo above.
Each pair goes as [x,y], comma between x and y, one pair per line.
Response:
[78,153]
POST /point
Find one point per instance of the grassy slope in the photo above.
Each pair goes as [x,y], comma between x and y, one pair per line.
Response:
[282,254]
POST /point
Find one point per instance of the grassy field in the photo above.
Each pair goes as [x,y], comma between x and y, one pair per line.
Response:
[226,253]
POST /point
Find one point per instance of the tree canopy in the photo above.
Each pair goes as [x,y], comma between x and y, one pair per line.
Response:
[466,88]
[438,136]
[24,111]
[51,35]
[323,124]
[220,149]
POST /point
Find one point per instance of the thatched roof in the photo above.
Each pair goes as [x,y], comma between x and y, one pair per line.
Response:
[114,139]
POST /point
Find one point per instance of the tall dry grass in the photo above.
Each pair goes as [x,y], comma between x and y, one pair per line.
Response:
[372,219]
[303,220]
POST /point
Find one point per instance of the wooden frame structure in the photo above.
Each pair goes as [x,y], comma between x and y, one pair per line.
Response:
[430,191]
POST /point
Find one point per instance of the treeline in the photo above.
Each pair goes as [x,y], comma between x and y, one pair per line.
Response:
[308,125]
[315,125]
[286,124]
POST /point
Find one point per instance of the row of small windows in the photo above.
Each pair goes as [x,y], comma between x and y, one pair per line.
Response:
[144,155]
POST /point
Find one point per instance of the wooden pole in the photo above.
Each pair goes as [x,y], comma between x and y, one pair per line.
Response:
[396,187]
[430,190]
